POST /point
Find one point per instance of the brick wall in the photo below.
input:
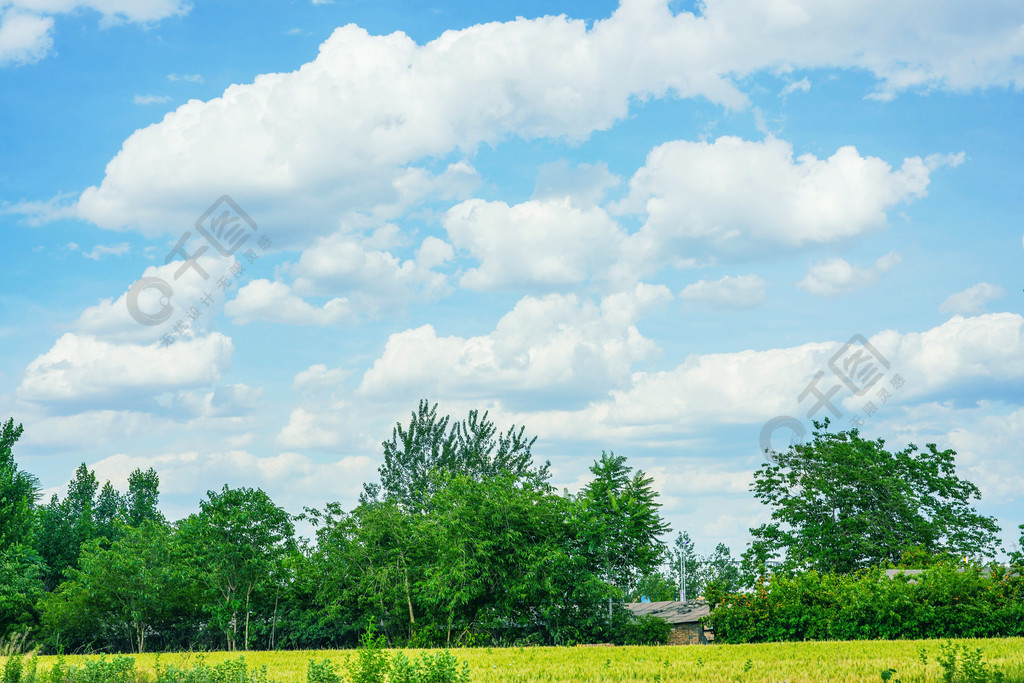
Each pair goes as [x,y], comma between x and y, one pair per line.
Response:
[686,634]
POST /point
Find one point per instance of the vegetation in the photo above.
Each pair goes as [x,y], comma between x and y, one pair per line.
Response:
[842,503]
[808,662]
[464,542]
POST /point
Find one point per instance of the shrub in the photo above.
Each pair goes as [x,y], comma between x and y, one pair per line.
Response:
[646,630]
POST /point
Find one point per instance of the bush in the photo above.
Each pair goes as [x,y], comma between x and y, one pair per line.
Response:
[945,601]
[646,630]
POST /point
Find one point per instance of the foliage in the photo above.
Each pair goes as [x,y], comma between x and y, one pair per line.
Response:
[618,525]
[943,601]
[842,503]
[19,491]
[433,445]
[645,630]
[372,662]
[238,543]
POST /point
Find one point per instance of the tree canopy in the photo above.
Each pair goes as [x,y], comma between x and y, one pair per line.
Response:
[841,503]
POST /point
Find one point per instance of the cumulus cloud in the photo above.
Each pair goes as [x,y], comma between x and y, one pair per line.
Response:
[536,243]
[370,279]
[740,291]
[338,135]
[81,368]
[275,302]
[555,347]
[110,318]
[734,196]
[837,276]
[963,360]
[972,300]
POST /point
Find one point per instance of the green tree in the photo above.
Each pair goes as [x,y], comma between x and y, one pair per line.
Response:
[20,566]
[618,524]
[240,541]
[719,574]
[433,444]
[123,592]
[19,492]
[842,502]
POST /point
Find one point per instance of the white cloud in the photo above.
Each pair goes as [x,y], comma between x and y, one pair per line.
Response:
[972,300]
[110,319]
[836,276]
[317,378]
[803,85]
[554,348]
[539,242]
[145,100]
[24,38]
[336,136]
[967,359]
[275,302]
[370,279]
[734,196]
[81,368]
[187,78]
[740,291]
[101,250]
[291,479]
[26,26]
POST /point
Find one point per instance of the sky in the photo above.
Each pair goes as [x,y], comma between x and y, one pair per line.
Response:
[242,240]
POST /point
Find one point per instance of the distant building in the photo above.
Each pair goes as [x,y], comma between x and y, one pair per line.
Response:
[683,616]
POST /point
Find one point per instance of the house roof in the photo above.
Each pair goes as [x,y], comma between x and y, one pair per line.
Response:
[672,611]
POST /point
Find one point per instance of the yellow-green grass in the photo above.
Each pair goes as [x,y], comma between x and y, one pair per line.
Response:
[817,661]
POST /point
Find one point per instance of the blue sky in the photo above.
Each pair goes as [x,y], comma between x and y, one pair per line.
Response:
[643,227]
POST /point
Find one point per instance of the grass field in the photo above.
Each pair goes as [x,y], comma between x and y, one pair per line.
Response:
[817,661]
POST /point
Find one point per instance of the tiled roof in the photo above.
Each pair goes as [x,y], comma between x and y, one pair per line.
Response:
[672,611]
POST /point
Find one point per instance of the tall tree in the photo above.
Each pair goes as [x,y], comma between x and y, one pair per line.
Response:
[433,444]
[619,526]
[240,540]
[19,492]
[842,502]
[20,566]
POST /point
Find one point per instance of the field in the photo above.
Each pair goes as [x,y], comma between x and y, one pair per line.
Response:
[818,661]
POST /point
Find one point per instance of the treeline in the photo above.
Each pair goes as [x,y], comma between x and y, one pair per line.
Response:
[462,541]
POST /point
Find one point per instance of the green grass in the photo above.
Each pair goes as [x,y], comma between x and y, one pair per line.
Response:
[791,662]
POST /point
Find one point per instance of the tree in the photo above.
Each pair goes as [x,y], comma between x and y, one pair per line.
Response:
[121,593]
[842,502]
[19,492]
[719,574]
[618,523]
[431,445]
[240,540]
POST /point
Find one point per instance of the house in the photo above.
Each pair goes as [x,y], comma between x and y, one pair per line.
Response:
[683,616]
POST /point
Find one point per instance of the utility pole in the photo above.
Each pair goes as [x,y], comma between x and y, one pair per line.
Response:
[682,563]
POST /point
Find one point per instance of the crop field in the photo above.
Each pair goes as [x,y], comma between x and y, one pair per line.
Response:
[811,661]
